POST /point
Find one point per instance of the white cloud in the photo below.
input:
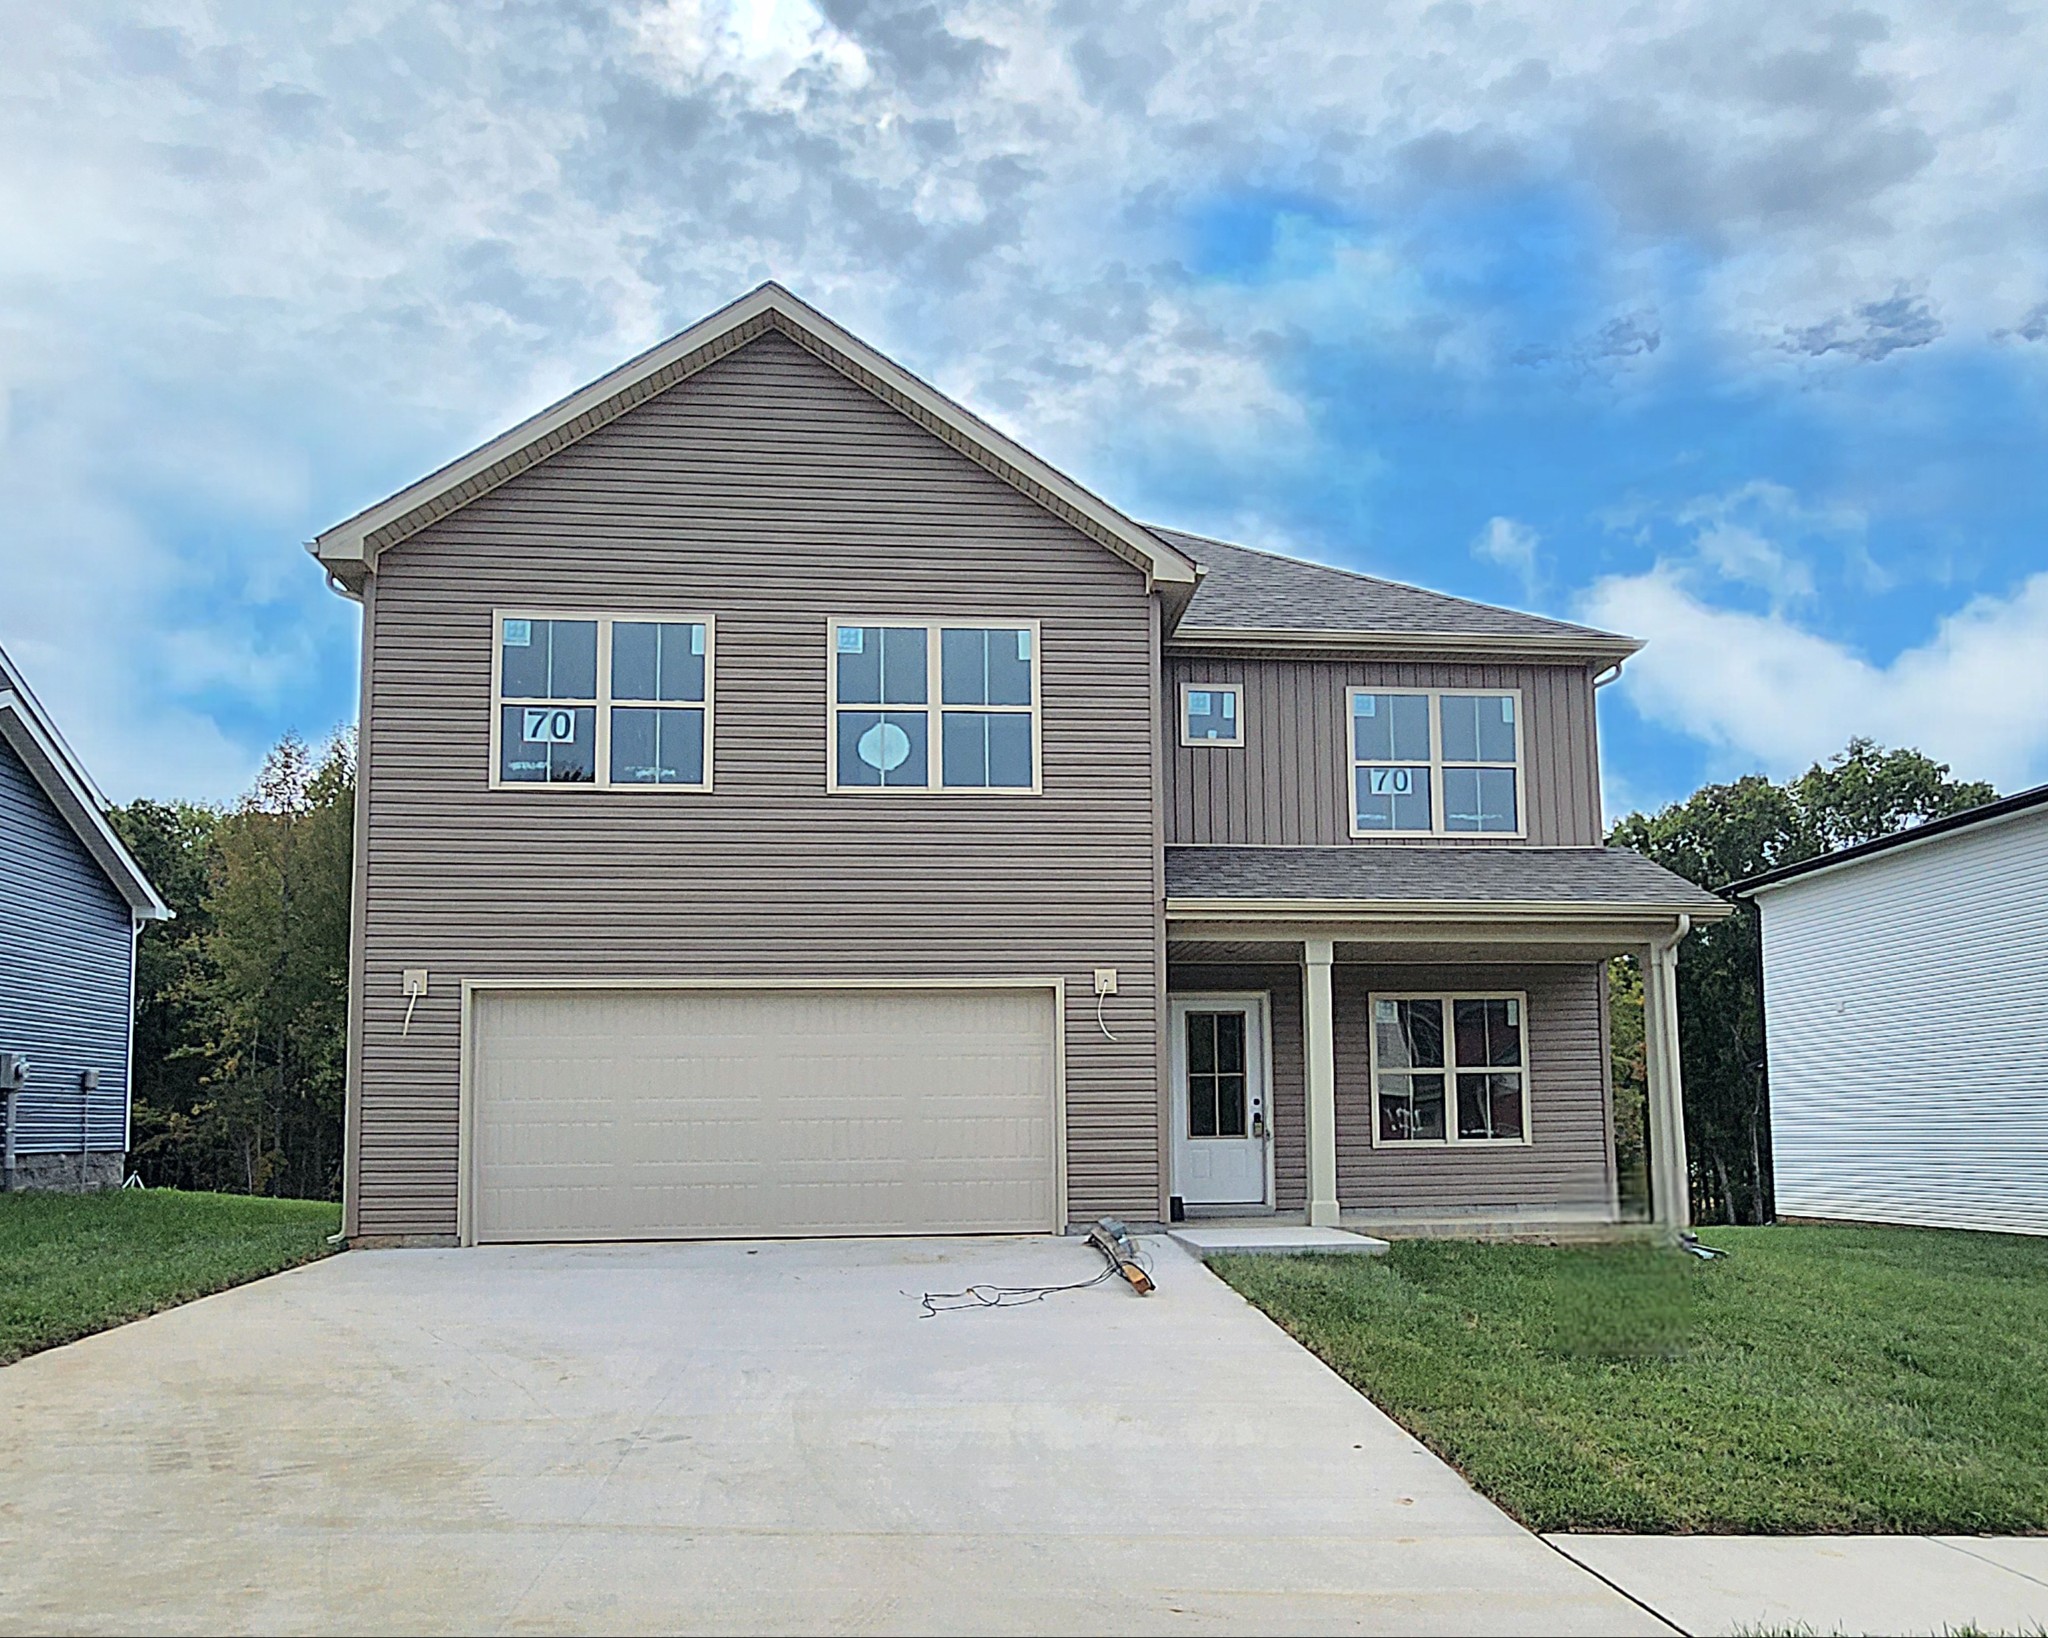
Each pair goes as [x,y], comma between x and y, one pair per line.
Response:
[1512,545]
[1738,553]
[263,263]
[1765,691]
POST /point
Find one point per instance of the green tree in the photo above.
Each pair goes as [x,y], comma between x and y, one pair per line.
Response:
[1720,834]
[173,842]
[276,955]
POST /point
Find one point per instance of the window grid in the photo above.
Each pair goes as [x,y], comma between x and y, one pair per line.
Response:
[1452,1069]
[602,703]
[933,707]
[1235,714]
[1437,763]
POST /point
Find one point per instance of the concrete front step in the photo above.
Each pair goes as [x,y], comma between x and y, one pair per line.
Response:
[1226,1239]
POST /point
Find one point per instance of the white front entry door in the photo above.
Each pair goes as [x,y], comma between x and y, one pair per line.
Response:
[1221,1107]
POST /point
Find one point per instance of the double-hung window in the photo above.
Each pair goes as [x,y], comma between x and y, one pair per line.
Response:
[933,706]
[1450,1069]
[607,702]
[1436,762]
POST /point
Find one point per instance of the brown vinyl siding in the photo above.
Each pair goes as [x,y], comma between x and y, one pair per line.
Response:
[774,494]
[1569,1163]
[1280,982]
[1287,785]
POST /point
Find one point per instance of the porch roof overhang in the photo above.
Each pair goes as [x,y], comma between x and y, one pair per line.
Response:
[1433,903]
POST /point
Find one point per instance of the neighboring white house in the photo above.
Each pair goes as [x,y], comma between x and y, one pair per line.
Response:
[1906,1016]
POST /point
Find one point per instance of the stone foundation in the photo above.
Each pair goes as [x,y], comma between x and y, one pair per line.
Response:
[59,1174]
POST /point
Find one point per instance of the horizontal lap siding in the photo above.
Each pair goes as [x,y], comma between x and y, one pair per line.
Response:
[66,945]
[1907,1020]
[1286,786]
[771,493]
[1281,984]
[1570,1161]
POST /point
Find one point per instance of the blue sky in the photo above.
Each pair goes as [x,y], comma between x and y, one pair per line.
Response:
[1710,323]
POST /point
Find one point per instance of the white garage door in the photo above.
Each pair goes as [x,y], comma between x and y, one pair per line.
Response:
[641,1114]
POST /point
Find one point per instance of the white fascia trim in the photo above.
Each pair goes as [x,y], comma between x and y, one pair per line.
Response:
[346,544]
[1440,910]
[1435,644]
[1913,844]
[74,797]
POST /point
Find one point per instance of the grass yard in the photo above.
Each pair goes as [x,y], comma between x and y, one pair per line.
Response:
[1815,1380]
[73,1264]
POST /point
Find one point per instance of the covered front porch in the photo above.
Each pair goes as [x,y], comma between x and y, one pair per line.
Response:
[1360,1060]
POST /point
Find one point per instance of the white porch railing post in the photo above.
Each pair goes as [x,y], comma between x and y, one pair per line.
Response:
[1319,1031]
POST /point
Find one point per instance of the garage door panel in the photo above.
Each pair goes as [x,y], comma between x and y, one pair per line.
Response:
[676,1113]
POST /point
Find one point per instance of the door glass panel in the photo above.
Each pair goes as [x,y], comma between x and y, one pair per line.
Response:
[1230,1120]
[1218,1082]
[1230,1042]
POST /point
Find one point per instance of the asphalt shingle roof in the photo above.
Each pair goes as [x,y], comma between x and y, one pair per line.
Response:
[1457,875]
[1251,589]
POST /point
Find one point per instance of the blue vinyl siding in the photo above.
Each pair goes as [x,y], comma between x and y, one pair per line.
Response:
[66,944]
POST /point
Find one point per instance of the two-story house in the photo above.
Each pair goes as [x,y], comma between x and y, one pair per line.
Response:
[788,806]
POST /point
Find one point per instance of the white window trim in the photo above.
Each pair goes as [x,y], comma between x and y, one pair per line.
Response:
[1450,1071]
[604,702]
[1188,688]
[1437,764]
[932,707]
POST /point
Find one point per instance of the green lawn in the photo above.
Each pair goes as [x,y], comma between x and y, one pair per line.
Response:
[1817,1379]
[74,1264]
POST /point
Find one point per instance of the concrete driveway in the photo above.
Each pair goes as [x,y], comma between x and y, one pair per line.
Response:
[737,1438]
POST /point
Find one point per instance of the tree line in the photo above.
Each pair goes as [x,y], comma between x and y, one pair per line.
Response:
[242,1000]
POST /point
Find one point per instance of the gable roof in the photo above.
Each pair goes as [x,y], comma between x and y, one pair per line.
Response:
[349,550]
[1251,598]
[2006,807]
[52,764]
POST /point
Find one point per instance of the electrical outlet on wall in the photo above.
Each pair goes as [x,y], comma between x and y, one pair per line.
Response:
[1105,981]
[415,982]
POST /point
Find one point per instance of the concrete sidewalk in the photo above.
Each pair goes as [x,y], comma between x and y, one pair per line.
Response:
[1827,1584]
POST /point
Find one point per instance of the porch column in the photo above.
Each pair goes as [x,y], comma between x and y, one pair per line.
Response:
[1319,1040]
[1670,1192]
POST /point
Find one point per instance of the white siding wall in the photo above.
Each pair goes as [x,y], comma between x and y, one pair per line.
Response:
[1906,1010]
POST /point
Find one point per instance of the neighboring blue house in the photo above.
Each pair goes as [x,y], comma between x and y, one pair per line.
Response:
[72,902]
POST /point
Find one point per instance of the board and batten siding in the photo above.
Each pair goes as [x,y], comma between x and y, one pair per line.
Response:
[1288,784]
[1906,1021]
[67,949]
[773,494]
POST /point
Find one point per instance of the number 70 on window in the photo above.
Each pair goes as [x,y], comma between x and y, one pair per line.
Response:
[548,725]
[1390,781]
